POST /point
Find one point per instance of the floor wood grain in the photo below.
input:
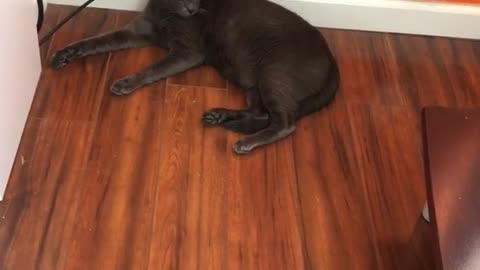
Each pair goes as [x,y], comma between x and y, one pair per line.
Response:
[104,182]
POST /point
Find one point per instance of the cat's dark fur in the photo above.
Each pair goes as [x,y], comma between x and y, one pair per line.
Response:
[282,62]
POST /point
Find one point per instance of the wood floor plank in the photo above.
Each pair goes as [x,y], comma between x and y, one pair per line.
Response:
[122,174]
[204,218]
[168,227]
[355,57]
[387,148]
[419,66]
[189,216]
[120,188]
[264,222]
[360,156]
[335,217]
[459,61]
[405,70]
[43,192]
[74,92]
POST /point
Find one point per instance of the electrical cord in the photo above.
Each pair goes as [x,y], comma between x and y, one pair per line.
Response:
[63,22]
[40,14]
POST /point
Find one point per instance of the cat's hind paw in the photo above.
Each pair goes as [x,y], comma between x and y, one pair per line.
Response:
[215,117]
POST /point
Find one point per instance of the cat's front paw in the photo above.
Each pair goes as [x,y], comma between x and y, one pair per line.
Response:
[214,117]
[63,58]
[123,87]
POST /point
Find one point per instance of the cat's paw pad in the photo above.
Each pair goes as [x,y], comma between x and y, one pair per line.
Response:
[214,117]
[63,58]
[242,147]
[123,87]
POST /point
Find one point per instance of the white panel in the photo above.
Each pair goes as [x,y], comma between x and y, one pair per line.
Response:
[409,17]
[19,72]
[112,4]
[397,16]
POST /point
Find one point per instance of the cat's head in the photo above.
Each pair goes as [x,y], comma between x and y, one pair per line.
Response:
[184,8]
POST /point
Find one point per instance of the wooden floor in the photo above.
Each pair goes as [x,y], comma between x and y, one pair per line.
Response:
[104,182]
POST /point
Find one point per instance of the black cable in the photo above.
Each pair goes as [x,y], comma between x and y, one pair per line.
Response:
[64,21]
[40,15]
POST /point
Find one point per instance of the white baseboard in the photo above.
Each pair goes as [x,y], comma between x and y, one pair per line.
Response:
[136,5]
[395,16]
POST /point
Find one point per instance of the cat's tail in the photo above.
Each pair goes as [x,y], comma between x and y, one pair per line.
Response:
[321,99]
[307,106]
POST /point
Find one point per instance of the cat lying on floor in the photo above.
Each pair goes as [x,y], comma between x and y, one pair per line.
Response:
[282,62]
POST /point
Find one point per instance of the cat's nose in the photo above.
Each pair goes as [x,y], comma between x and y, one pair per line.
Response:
[191,7]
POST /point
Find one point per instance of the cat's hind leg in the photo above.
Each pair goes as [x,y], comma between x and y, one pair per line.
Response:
[135,35]
[281,108]
[248,121]
[219,116]
[240,121]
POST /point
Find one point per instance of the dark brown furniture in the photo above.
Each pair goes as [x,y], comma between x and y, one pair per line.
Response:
[452,139]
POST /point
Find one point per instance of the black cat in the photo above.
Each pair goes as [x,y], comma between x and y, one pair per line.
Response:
[282,62]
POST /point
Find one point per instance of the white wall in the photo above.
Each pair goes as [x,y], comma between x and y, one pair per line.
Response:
[397,16]
[19,72]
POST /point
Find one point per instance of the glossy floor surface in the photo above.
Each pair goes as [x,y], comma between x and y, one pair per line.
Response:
[102,182]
